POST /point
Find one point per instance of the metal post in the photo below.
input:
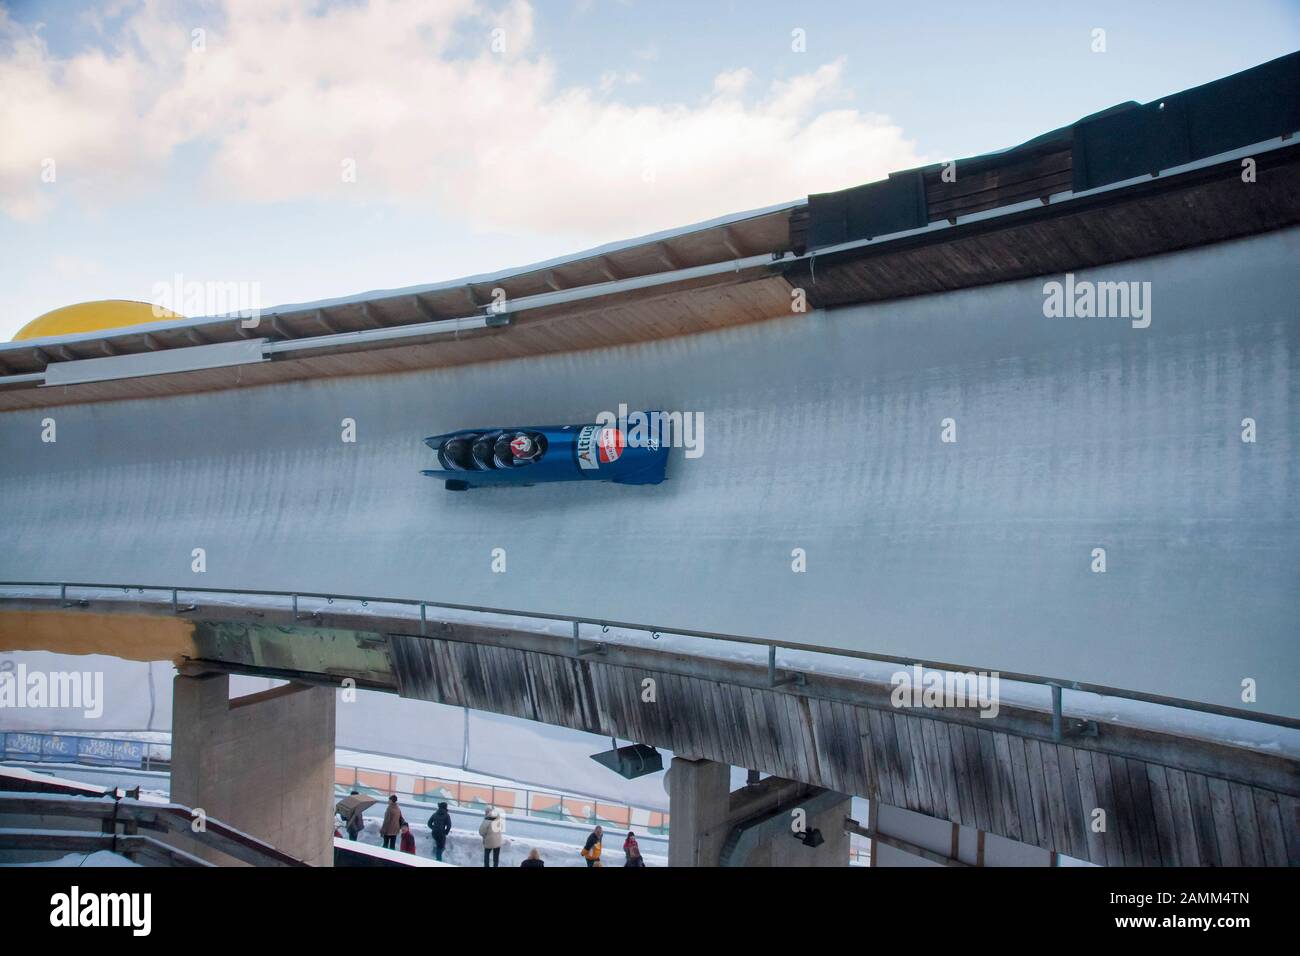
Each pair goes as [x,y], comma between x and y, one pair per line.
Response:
[1056,711]
[295,607]
[464,754]
[63,595]
[174,609]
[577,645]
[423,621]
[796,678]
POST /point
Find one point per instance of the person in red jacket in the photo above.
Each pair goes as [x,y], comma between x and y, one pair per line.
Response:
[408,839]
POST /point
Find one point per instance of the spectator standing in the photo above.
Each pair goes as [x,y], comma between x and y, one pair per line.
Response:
[356,821]
[493,831]
[591,849]
[408,839]
[392,824]
[439,827]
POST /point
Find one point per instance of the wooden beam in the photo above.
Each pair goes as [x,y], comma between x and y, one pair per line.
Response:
[606,266]
[729,240]
[873,820]
[426,313]
[852,826]
[668,257]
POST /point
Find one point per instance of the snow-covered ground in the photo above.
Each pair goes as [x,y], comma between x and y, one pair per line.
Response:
[465,846]
[558,841]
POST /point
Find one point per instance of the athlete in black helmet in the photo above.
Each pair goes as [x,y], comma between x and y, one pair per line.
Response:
[513,449]
[457,454]
[484,447]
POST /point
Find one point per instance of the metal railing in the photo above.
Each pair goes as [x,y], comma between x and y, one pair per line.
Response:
[510,800]
[1057,685]
[117,752]
[124,753]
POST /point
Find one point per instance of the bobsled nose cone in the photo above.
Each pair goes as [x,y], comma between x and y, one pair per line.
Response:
[433,442]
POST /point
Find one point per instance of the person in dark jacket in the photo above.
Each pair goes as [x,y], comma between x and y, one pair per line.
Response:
[439,827]
[591,849]
[634,857]
[533,861]
[356,821]
[408,839]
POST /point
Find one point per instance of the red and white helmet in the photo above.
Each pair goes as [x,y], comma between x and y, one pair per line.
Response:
[522,446]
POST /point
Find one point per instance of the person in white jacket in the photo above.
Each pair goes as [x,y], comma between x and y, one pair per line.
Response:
[493,831]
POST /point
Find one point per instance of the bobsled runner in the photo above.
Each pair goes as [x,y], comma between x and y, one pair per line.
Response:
[481,457]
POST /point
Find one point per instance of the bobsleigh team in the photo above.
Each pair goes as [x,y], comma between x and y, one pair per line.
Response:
[492,450]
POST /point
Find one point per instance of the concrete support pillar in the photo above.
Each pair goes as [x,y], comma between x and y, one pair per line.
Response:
[263,763]
[698,807]
[823,812]
[757,825]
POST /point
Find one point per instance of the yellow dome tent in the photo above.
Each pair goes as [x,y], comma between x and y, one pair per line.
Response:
[93,317]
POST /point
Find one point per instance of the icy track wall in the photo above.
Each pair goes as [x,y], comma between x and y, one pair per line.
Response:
[821,432]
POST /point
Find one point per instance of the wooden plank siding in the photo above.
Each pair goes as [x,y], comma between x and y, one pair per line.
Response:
[643,315]
[1045,240]
[1021,787]
[1032,176]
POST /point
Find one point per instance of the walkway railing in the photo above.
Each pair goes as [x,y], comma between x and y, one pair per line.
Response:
[130,754]
[1057,685]
[775,677]
[512,801]
[122,753]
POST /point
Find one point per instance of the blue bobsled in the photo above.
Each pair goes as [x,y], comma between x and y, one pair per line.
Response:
[481,457]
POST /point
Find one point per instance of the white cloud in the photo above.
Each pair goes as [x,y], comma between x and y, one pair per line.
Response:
[415,95]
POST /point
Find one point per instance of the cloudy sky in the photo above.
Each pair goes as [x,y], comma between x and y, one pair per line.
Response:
[323,148]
